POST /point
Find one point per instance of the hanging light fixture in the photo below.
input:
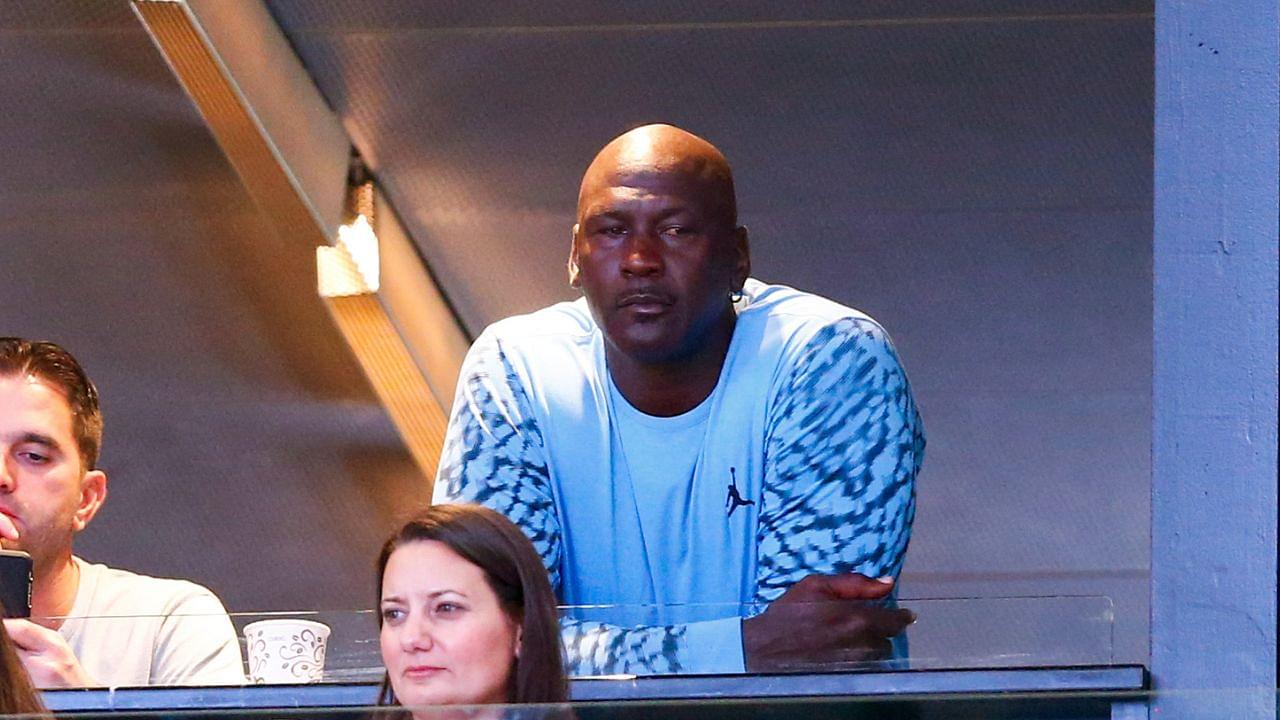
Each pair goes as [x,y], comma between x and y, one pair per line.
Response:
[349,275]
[352,265]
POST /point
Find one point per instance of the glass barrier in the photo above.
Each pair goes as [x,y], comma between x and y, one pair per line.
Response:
[1011,632]
[972,632]
[627,641]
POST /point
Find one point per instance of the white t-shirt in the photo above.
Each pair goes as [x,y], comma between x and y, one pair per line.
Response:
[129,630]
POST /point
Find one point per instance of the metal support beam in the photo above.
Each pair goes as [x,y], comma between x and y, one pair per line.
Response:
[292,154]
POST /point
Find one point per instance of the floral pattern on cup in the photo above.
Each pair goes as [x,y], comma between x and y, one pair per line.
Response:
[286,650]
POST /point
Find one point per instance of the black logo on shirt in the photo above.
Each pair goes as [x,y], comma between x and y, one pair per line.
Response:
[734,499]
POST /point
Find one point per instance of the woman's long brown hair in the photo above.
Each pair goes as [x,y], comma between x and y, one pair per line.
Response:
[17,696]
[516,575]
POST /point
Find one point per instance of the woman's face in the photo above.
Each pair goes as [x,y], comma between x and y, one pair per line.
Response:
[445,638]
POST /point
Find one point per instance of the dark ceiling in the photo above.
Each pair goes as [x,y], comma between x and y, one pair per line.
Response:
[480,117]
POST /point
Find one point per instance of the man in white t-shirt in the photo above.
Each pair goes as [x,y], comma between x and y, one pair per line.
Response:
[92,626]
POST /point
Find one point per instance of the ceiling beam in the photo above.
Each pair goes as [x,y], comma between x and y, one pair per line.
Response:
[293,155]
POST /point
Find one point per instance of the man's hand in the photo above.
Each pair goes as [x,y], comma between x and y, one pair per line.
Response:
[824,620]
[46,656]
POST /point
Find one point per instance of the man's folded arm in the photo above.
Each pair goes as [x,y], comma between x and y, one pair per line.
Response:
[844,446]
[845,443]
[843,449]
[710,646]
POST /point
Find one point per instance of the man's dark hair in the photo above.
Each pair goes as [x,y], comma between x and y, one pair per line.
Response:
[54,365]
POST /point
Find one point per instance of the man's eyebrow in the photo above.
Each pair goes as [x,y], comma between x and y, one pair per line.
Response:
[604,214]
[672,211]
[621,214]
[36,438]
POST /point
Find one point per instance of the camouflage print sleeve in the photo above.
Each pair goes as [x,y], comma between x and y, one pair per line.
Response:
[595,648]
[493,452]
[709,646]
[844,445]
[493,455]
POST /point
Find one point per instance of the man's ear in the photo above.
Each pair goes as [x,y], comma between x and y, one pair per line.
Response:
[93,492]
[575,280]
[742,266]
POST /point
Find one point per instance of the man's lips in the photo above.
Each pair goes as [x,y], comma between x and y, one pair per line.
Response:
[645,299]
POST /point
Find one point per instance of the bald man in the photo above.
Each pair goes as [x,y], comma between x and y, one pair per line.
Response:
[687,446]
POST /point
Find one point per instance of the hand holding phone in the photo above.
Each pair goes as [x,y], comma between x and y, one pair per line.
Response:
[15,583]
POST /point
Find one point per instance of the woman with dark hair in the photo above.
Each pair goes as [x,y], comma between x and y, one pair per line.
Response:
[467,614]
[17,696]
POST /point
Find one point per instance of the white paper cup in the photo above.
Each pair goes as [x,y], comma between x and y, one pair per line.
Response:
[286,650]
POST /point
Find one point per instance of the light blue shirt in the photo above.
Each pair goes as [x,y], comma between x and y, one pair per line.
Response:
[802,460]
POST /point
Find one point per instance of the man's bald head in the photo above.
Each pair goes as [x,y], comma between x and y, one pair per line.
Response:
[660,149]
[659,254]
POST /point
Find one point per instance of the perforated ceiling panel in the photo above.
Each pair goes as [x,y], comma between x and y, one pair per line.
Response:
[480,121]
[66,16]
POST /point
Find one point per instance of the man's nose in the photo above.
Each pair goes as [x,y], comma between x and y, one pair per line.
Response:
[8,474]
[643,254]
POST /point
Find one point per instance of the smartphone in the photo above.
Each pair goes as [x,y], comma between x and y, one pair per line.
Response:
[15,583]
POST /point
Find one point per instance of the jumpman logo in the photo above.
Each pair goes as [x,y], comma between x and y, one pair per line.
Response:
[734,499]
